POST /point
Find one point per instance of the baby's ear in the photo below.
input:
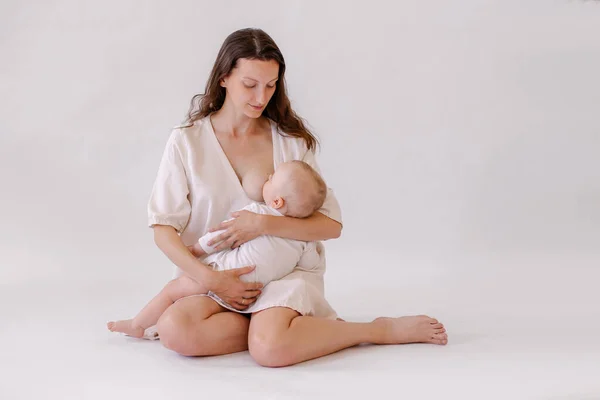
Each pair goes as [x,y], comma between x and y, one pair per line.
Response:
[278,203]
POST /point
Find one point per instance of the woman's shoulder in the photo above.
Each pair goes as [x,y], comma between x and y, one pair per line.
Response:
[293,147]
[186,133]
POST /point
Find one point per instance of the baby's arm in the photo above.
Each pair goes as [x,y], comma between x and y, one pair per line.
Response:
[201,247]
[197,250]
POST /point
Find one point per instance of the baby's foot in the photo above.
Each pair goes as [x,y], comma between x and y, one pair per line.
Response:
[413,329]
[126,327]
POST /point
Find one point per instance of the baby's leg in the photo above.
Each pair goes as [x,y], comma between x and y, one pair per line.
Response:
[176,289]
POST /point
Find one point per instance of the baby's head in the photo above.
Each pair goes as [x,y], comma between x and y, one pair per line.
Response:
[295,190]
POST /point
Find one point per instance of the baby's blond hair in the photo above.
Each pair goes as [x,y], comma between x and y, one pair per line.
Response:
[302,199]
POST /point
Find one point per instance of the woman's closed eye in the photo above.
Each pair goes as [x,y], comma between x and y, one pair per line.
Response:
[251,86]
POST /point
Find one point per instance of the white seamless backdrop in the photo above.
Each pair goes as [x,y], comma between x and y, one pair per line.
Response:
[461,138]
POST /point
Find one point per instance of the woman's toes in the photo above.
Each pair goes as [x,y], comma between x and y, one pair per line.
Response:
[437,326]
[433,321]
[442,330]
[441,341]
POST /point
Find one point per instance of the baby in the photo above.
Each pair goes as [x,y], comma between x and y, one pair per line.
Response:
[294,190]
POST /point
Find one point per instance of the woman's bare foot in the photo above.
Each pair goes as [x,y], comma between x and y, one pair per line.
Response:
[126,327]
[413,329]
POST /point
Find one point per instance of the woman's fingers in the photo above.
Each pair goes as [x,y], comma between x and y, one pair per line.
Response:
[237,306]
[247,302]
[250,286]
[222,246]
[252,294]
[244,270]
[227,244]
[242,303]
[220,238]
[244,294]
[221,226]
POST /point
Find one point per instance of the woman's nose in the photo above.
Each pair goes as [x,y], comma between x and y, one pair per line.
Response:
[261,96]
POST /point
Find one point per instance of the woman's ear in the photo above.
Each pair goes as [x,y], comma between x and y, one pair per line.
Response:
[223,82]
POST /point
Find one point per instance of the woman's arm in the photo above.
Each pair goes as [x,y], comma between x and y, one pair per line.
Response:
[316,227]
[170,243]
[247,225]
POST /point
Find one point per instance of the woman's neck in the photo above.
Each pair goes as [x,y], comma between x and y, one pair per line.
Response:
[237,124]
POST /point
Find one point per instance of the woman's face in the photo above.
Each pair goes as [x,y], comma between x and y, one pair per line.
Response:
[250,85]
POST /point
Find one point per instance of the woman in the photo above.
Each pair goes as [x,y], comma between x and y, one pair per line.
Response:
[241,129]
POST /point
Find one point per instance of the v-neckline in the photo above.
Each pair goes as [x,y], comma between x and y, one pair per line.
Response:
[227,162]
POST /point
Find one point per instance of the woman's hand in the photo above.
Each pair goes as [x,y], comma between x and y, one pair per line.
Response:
[231,289]
[244,227]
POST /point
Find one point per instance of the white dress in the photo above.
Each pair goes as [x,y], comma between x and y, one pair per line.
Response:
[196,188]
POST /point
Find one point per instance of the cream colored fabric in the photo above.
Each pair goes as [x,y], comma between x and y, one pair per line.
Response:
[196,188]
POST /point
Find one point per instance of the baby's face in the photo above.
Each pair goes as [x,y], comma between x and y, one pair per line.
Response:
[274,185]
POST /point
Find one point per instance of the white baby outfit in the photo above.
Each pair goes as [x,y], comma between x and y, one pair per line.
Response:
[274,257]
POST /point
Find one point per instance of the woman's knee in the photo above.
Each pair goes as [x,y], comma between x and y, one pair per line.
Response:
[268,341]
[172,329]
[268,351]
[178,328]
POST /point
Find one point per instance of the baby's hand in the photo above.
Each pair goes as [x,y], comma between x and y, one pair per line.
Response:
[196,250]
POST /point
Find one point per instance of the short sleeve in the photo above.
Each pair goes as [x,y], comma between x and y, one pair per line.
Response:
[331,207]
[169,204]
[310,258]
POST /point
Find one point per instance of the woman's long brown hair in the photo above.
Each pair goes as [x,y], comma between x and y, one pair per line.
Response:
[254,44]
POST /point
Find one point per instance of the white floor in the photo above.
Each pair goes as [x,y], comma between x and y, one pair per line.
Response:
[517,331]
[461,139]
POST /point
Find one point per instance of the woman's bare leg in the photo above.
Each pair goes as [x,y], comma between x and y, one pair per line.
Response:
[199,326]
[279,336]
[173,291]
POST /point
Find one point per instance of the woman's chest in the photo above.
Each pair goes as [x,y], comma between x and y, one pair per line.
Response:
[251,161]
[247,155]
